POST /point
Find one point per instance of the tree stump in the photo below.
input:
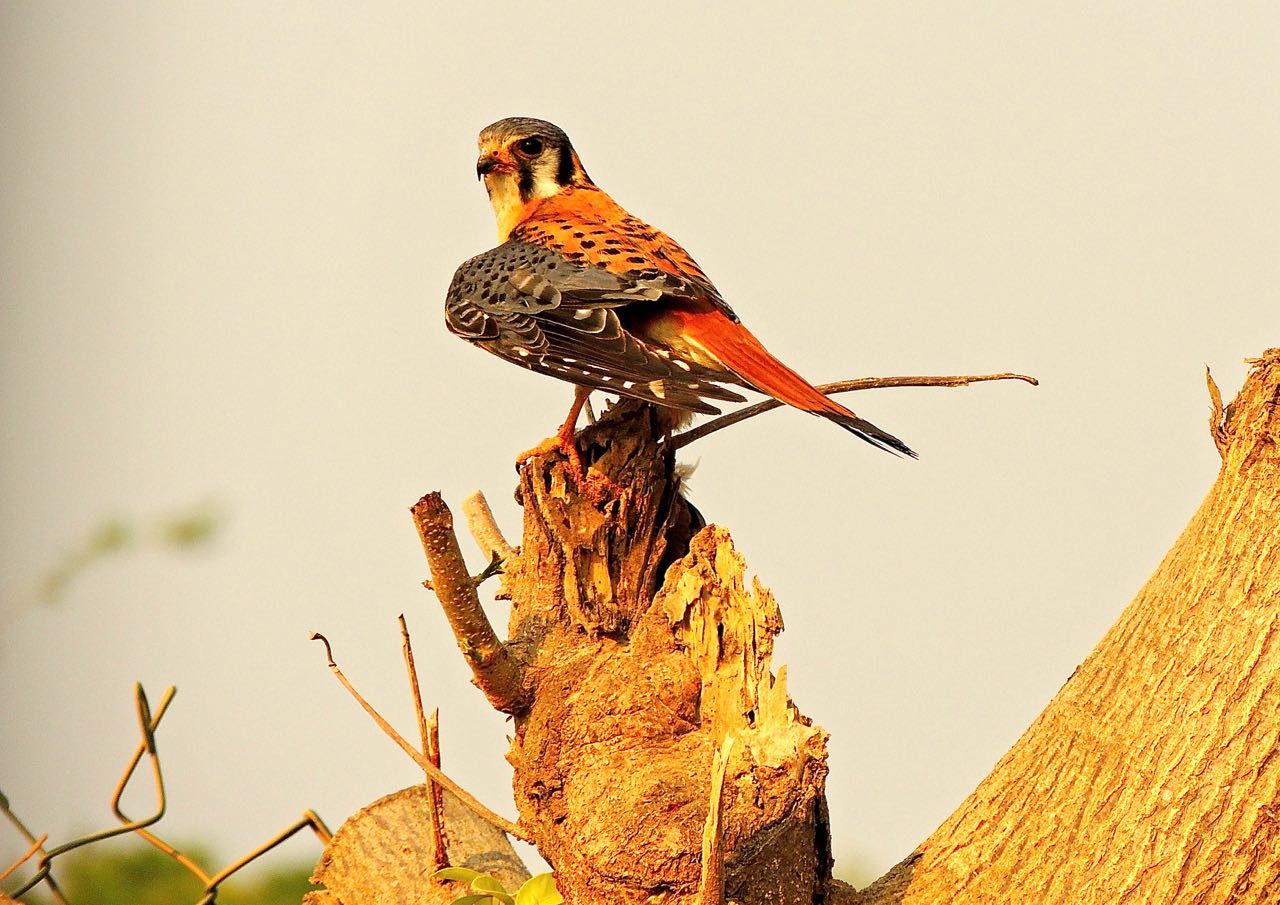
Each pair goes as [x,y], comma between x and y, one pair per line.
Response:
[643,651]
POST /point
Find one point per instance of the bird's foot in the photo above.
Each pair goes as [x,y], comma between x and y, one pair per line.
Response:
[559,443]
[598,486]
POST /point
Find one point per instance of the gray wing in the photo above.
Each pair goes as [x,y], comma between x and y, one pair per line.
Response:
[529,305]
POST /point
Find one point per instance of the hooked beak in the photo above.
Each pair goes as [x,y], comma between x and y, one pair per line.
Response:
[487,164]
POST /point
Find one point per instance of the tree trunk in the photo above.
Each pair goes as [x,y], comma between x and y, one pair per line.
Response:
[1152,776]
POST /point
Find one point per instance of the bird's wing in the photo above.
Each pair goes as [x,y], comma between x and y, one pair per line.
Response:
[534,307]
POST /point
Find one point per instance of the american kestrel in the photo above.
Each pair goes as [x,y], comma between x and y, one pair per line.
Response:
[582,290]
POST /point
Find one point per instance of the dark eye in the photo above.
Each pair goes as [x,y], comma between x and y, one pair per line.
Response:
[529,147]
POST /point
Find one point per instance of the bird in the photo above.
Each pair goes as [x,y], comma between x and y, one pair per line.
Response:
[582,290]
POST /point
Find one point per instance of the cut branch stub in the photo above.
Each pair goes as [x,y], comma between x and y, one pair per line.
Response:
[496,672]
[385,854]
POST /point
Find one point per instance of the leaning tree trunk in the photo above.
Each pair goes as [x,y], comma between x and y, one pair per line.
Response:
[1153,775]
[658,757]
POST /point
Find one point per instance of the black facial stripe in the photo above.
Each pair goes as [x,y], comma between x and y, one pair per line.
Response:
[526,180]
[564,168]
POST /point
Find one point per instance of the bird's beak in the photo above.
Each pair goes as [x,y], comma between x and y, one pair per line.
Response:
[487,163]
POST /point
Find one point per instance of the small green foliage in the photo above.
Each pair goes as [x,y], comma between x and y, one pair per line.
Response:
[494,568]
[191,528]
[540,890]
[110,536]
[183,531]
[486,890]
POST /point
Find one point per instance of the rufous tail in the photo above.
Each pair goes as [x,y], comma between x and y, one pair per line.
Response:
[735,346]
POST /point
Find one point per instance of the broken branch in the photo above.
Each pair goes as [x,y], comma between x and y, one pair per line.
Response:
[495,670]
[484,528]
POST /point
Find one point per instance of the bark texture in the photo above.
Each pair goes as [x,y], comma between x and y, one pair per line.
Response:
[644,649]
[1152,777]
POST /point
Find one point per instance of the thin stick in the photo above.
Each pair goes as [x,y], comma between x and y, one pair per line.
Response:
[414,687]
[418,757]
[495,671]
[711,887]
[484,528]
[428,732]
[437,794]
[840,386]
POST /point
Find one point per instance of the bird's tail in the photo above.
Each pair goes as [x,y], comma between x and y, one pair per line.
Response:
[736,347]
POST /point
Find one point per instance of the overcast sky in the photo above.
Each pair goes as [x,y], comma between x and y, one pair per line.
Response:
[226,231]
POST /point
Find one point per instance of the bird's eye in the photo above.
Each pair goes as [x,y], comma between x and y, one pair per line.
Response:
[529,147]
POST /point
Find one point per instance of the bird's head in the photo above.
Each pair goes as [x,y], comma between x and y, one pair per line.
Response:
[522,161]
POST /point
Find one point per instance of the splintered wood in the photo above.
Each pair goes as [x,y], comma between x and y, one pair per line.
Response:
[635,686]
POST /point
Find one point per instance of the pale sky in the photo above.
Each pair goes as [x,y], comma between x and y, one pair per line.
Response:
[226,231]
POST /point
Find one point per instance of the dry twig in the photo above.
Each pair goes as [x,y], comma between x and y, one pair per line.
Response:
[419,757]
[840,386]
[429,733]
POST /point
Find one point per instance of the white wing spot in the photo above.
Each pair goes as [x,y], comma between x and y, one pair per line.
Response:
[628,384]
[658,389]
[684,365]
[605,377]
[523,353]
[570,361]
[582,314]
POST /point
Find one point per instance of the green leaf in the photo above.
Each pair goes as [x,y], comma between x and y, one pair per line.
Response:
[491,885]
[540,890]
[460,874]
[477,900]
[111,535]
[190,529]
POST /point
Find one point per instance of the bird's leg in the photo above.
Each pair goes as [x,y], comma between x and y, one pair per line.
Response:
[564,438]
[598,486]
